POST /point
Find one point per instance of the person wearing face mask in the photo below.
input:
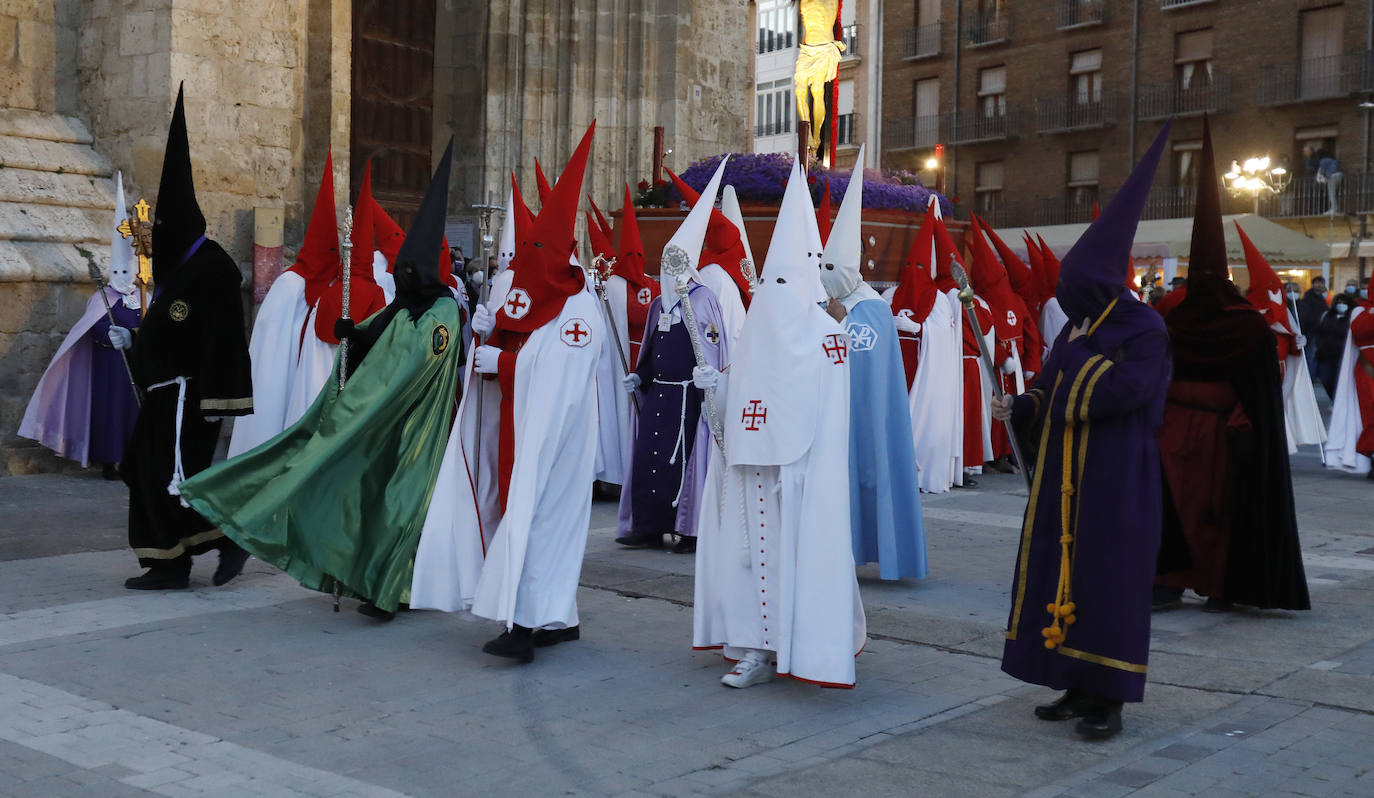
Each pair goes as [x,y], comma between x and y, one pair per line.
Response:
[84,406]
[1352,408]
[1331,335]
[775,581]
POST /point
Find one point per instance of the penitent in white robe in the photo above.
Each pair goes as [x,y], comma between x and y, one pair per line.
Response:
[1346,422]
[612,402]
[274,349]
[937,407]
[1302,416]
[1052,321]
[727,294]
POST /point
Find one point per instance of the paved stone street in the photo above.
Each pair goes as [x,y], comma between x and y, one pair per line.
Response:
[259,689]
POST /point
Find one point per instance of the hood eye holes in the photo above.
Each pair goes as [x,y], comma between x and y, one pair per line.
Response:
[830,266]
[781,281]
[539,244]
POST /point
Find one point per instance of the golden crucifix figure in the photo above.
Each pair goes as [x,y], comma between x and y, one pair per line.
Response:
[817,63]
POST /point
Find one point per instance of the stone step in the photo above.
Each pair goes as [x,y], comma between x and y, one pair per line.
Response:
[53,223]
[52,156]
[21,456]
[30,188]
[47,127]
[37,261]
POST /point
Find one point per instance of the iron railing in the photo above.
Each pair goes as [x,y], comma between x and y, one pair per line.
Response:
[1000,215]
[849,36]
[1168,4]
[1062,114]
[1062,210]
[1170,202]
[1076,13]
[1306,197]
[1310,79]
[924,41]
[1170,98]
[975,126]
[845,128]
[912,133]
[772,128]
[987,27]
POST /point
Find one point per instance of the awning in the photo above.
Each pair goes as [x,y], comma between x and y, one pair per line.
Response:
[1171,238]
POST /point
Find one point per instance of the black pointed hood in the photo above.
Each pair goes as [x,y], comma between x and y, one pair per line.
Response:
[418,279]
[178,222]
[1209,280]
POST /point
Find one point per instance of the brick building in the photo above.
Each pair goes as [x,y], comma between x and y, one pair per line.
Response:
[1043,106]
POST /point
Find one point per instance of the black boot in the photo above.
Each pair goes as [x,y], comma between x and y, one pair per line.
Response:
[543,638]
[174,575]
[1072,704]
[686,544]
[642,540]
[231,560]
[515,643]
[1165,598]
[110,471]
[1101,720]
[373,611]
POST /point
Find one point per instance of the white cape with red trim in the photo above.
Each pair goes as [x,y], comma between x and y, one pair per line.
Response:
[814,617]
[727,294]
[612,403]
[274,349]
[936,398]
[534,555]
[1346,422]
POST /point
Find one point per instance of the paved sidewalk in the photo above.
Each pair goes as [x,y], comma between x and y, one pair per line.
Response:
[259,689]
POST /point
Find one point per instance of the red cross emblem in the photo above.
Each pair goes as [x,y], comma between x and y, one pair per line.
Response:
[835,349]
[754,415]
[1011,318]
[645,296]
[517,303]
[575,333]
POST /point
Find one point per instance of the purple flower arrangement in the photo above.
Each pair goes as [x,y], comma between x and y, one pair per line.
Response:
[760,177]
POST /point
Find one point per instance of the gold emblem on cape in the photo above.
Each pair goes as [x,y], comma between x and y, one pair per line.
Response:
[440,340]
[179,310]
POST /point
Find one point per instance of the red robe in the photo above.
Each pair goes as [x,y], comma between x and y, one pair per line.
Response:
[1362,335]
[973,385]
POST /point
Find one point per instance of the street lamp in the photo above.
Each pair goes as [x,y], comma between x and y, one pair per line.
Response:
[1256,177]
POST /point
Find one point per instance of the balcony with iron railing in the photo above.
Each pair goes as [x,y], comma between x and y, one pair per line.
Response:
[1078,13]
[1065,114]
[844,128]
[1171,4]
[987,27]
[1000,214]
[1170,98]
[772,128]
[1170,202]
[1062,210]
[912,133]
[1306,197]
[976,126]
[849,36]
[1312,79]
[923,41]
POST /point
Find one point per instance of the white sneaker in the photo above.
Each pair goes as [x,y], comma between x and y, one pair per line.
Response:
[753,668]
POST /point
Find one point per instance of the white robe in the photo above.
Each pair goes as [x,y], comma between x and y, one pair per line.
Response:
[727,294]
[1346,423]
[1052,321]
[792,590]
[937,408]
[274,349]
[534,555]
[314,369]
[612,403]
[1302,416]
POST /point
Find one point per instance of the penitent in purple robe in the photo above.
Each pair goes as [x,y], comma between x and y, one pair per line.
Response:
[662,490]
[113,406]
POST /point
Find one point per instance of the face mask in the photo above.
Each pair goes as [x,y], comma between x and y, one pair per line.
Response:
[1340,309]
[1350,289]
[479,277]
[1293,295]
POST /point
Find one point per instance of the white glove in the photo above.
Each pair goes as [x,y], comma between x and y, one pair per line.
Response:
[1008,366]
[120,338]
[1301,340]
[906,325]
[705,377]
[631,382]
[486,359]
[483,322]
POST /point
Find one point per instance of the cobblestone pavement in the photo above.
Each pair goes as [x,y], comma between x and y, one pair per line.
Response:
[259,689]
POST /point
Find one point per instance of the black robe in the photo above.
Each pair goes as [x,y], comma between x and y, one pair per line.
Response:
[193,329]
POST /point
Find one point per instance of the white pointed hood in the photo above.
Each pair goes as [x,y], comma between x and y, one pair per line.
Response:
[844,251]
[689,237]
[777,365]
[507,246]
[729,205]
[123,263]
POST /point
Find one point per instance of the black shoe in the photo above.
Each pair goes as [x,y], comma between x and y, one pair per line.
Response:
[1165,598]
[516,643]
[231,562]
[160,579]
[110,471]
[1103,720]
[969,482]
[686,544]
[605,492]
[1001,465]
[373,611]
[543,638]
[643,540]
[1072,704]
[1214,604]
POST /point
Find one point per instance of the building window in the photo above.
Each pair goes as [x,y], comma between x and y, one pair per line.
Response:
[1185,164]
[844,112]
[774,103]
[1081,189]
[927,112]
[1085,77]
[1320,72]
[927,12]
[992,92]
[1311,145]
[988,189]
[777,25]
[1193,59]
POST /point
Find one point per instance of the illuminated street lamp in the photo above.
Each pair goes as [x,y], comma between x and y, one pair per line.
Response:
[1256,177]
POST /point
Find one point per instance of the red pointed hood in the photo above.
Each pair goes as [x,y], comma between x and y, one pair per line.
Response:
[541,183]
[916,292]
[317,262]
[601,220]
[364,296]
[364,237]
[944,250]
[1051,269]
[630,259]
[723,244]
[1266,287]
[544,279]
[597,238]
[524,220]
[823,214]
[990,282]
[389,235]
[1022,280]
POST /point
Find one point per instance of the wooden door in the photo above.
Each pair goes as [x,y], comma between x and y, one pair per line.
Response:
[393,101]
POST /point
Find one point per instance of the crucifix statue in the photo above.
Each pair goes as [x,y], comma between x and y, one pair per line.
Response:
[817,63]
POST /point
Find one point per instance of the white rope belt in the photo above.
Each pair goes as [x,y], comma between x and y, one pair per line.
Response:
[680,445]
[178,475]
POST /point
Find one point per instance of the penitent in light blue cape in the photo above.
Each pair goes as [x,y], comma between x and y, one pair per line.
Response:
[885,502]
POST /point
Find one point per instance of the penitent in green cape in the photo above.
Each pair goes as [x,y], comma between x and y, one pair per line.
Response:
[342,494]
